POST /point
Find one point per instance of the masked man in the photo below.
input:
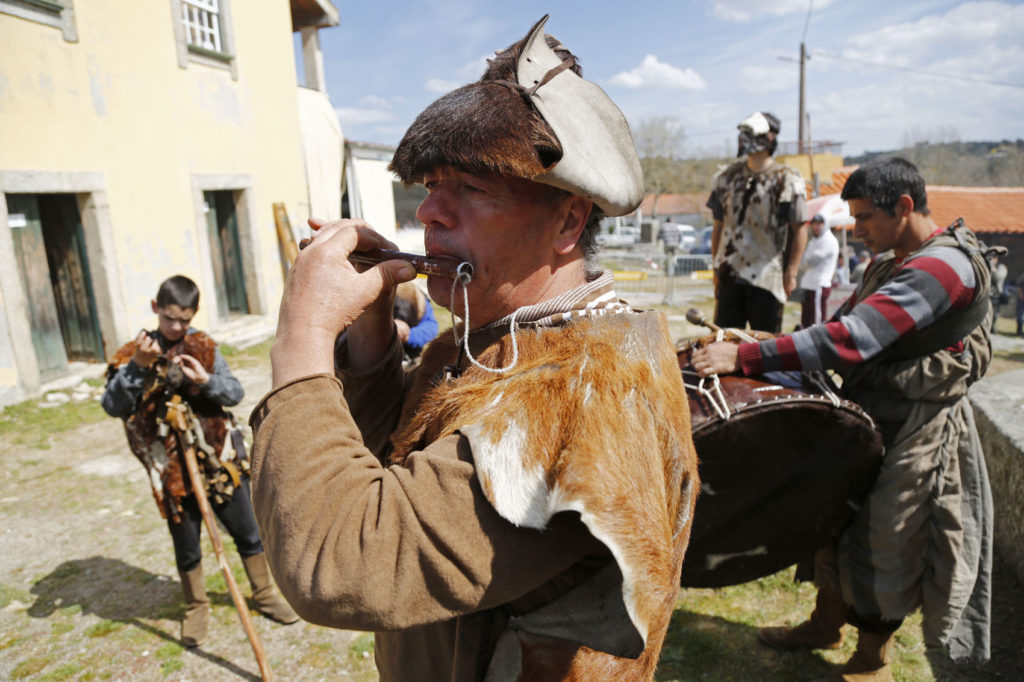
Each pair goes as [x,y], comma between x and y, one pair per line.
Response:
[908,344]
[758,232]
[518,506]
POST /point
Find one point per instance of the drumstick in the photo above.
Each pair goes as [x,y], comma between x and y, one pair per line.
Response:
[438,266]
[695,316]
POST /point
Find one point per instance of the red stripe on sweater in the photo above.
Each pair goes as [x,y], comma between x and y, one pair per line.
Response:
[751,362]
[959,295]
[893,312]
[787,352]
[845,349]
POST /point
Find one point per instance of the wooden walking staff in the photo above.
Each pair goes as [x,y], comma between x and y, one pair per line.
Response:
[180,418]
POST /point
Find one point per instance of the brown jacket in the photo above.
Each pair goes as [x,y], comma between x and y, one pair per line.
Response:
[420,553]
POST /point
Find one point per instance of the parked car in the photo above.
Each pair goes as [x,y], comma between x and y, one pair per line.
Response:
[703,244]
[626,237]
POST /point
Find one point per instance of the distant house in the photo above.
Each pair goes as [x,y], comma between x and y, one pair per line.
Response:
[143,139]
[686,208]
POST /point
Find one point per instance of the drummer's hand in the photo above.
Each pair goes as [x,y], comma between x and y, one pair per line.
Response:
[721,357]
[325,295]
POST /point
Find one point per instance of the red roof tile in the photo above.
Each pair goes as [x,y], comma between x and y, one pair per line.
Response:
[985,210]
[674,204]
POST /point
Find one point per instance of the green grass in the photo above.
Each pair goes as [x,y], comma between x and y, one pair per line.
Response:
[9,594]
[247,357]
[26,423]
[103,628]
[31,666]
[361,648]
[713,636]
[61,672]
[170,658]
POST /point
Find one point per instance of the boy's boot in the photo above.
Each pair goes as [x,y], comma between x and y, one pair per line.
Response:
[823,630]
[197,607]
[870,662]
[268,600]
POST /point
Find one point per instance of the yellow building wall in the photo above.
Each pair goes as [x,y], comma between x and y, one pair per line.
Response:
[824,164]
[116,103]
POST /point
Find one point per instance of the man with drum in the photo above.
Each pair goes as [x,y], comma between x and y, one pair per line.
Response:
[908,344]
[426,506]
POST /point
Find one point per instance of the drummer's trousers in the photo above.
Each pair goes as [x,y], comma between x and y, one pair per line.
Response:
[826,577]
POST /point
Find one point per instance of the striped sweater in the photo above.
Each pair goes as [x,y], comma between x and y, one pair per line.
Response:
[930,282]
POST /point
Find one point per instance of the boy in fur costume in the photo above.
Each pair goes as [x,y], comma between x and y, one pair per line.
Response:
[518,506]
[176,358]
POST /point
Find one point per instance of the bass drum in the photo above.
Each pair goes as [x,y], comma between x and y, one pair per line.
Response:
[784,465]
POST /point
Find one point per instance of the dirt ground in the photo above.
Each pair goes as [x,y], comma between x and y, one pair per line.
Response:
[88,585]
[89,590]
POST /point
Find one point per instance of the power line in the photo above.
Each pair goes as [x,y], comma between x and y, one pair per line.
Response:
[926,72]
[807,22]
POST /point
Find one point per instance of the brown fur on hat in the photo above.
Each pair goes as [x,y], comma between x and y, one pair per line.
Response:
[487,126]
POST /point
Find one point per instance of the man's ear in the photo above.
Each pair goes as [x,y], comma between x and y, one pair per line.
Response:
[906,204]
[577,213]
[153,305]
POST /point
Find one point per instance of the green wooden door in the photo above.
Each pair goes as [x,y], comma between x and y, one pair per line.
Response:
[34,270]
[226,252]
[69,276]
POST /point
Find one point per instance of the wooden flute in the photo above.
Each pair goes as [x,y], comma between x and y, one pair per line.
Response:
[437,266]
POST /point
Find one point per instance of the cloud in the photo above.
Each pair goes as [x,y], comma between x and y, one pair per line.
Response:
[744,10]
[467,73]
[979,39]
[440,85]
[653,73]
[374,102]
[350,116]
[759,80]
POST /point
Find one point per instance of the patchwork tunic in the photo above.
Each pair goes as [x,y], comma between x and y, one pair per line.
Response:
[907,354]
[756,209]
[456,553]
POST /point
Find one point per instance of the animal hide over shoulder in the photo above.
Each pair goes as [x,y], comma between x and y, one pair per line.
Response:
[593,419]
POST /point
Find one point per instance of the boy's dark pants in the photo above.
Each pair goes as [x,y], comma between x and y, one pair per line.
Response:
[237,517]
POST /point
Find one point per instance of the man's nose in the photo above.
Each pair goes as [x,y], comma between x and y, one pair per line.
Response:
[435,210]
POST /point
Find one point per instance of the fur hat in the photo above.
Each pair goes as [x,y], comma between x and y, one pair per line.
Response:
[532,116]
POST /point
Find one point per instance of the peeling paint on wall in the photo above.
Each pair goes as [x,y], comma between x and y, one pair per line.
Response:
[99,82]
[219,99]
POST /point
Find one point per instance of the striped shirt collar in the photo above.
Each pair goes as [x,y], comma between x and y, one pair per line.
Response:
[596,297]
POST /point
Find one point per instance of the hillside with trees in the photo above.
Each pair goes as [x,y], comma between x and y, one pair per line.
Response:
[669,168]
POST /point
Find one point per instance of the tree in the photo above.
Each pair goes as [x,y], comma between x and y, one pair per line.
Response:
[659,142]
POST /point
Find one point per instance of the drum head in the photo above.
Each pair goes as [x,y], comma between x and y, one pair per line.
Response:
[780,478]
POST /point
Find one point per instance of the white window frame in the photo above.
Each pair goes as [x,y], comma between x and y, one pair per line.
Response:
[56,13]
[208,22]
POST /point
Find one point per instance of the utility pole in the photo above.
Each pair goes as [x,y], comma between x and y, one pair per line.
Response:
[803,96]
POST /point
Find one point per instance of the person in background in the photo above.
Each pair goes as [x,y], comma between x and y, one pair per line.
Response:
[997,294]
[136,386]
[820,260]
[415,323]
[908,344]
[1019,287]
[862,260]
[759,230]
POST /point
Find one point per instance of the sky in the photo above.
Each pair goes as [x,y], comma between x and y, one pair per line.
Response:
[881,73]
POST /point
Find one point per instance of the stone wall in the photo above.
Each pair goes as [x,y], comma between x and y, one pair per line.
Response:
[999,410]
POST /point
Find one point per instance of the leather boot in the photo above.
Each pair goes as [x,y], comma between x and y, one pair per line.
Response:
[197,607]
[823,630]
[870,662]
[268,600]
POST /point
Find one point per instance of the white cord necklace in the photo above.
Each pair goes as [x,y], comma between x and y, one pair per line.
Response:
[463,277]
